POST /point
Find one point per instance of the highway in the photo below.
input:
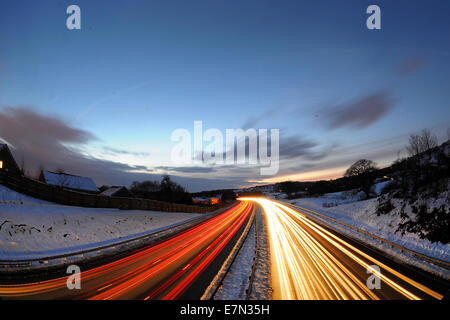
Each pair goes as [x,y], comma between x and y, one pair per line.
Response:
[308,262]
[163,271]
[311,262]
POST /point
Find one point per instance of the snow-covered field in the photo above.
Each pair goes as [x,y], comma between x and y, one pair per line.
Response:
[34,228]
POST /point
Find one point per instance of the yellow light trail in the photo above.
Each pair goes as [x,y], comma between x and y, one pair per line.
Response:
[311,263]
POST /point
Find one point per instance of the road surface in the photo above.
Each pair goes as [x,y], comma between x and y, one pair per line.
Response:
[311,262]
[165,270]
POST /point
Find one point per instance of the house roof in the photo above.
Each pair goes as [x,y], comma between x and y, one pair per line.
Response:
[112,190]
[200,199]
[2,145]
[69,181]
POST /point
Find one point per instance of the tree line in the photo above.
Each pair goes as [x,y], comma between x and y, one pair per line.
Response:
[165,190]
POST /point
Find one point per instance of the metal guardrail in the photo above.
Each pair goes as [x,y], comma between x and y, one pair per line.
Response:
[435,261]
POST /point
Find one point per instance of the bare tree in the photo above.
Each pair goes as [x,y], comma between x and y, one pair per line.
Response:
[414,146]
[428,140]
[422,142]
[23,168]
[360,167]
[363,172]
[141,188]
[448,134]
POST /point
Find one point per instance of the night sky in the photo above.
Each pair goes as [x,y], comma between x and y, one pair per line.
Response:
[103,101]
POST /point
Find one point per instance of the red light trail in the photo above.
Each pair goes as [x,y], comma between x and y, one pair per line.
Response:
[161,271]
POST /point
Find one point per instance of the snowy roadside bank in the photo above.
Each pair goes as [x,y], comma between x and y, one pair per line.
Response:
[362,215]
[32,228]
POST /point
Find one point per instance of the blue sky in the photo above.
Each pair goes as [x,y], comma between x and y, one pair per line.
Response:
[137,70]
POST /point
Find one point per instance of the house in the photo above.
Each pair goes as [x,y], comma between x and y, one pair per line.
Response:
[200,200]
[68,181]
[7,162]
[215,200]
[117,191]
[206,200]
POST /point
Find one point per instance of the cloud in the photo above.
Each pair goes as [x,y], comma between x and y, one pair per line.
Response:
[115,151]
[358,114]
[289,147]
[411,65]
[137,168]
[40,137]
[296,146]
[39,129]
[193,169]
[253,121]
[41,140]
[54,143]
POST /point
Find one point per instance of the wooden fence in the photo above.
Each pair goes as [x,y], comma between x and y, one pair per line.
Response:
[43,191]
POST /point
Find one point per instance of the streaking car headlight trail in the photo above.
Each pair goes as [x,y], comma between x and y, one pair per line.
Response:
[309,262]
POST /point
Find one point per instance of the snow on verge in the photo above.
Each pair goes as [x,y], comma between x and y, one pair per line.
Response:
[31,228]
[236,282]
[262,287]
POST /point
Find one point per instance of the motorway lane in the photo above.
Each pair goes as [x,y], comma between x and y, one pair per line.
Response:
[161,271]
[310,262]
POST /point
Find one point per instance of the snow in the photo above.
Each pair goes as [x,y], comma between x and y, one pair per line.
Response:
[69,181]
[261,289]
[338,198]
[32,228]
[8,196]
[362,215]
[378,187]
[237,280]
[111,191]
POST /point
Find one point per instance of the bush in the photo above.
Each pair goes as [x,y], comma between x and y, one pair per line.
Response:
[166,190]
[329,204]
[228,196]
[432,226]
[384,206]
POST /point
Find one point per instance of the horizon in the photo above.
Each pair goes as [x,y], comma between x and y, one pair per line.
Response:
[279,180]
